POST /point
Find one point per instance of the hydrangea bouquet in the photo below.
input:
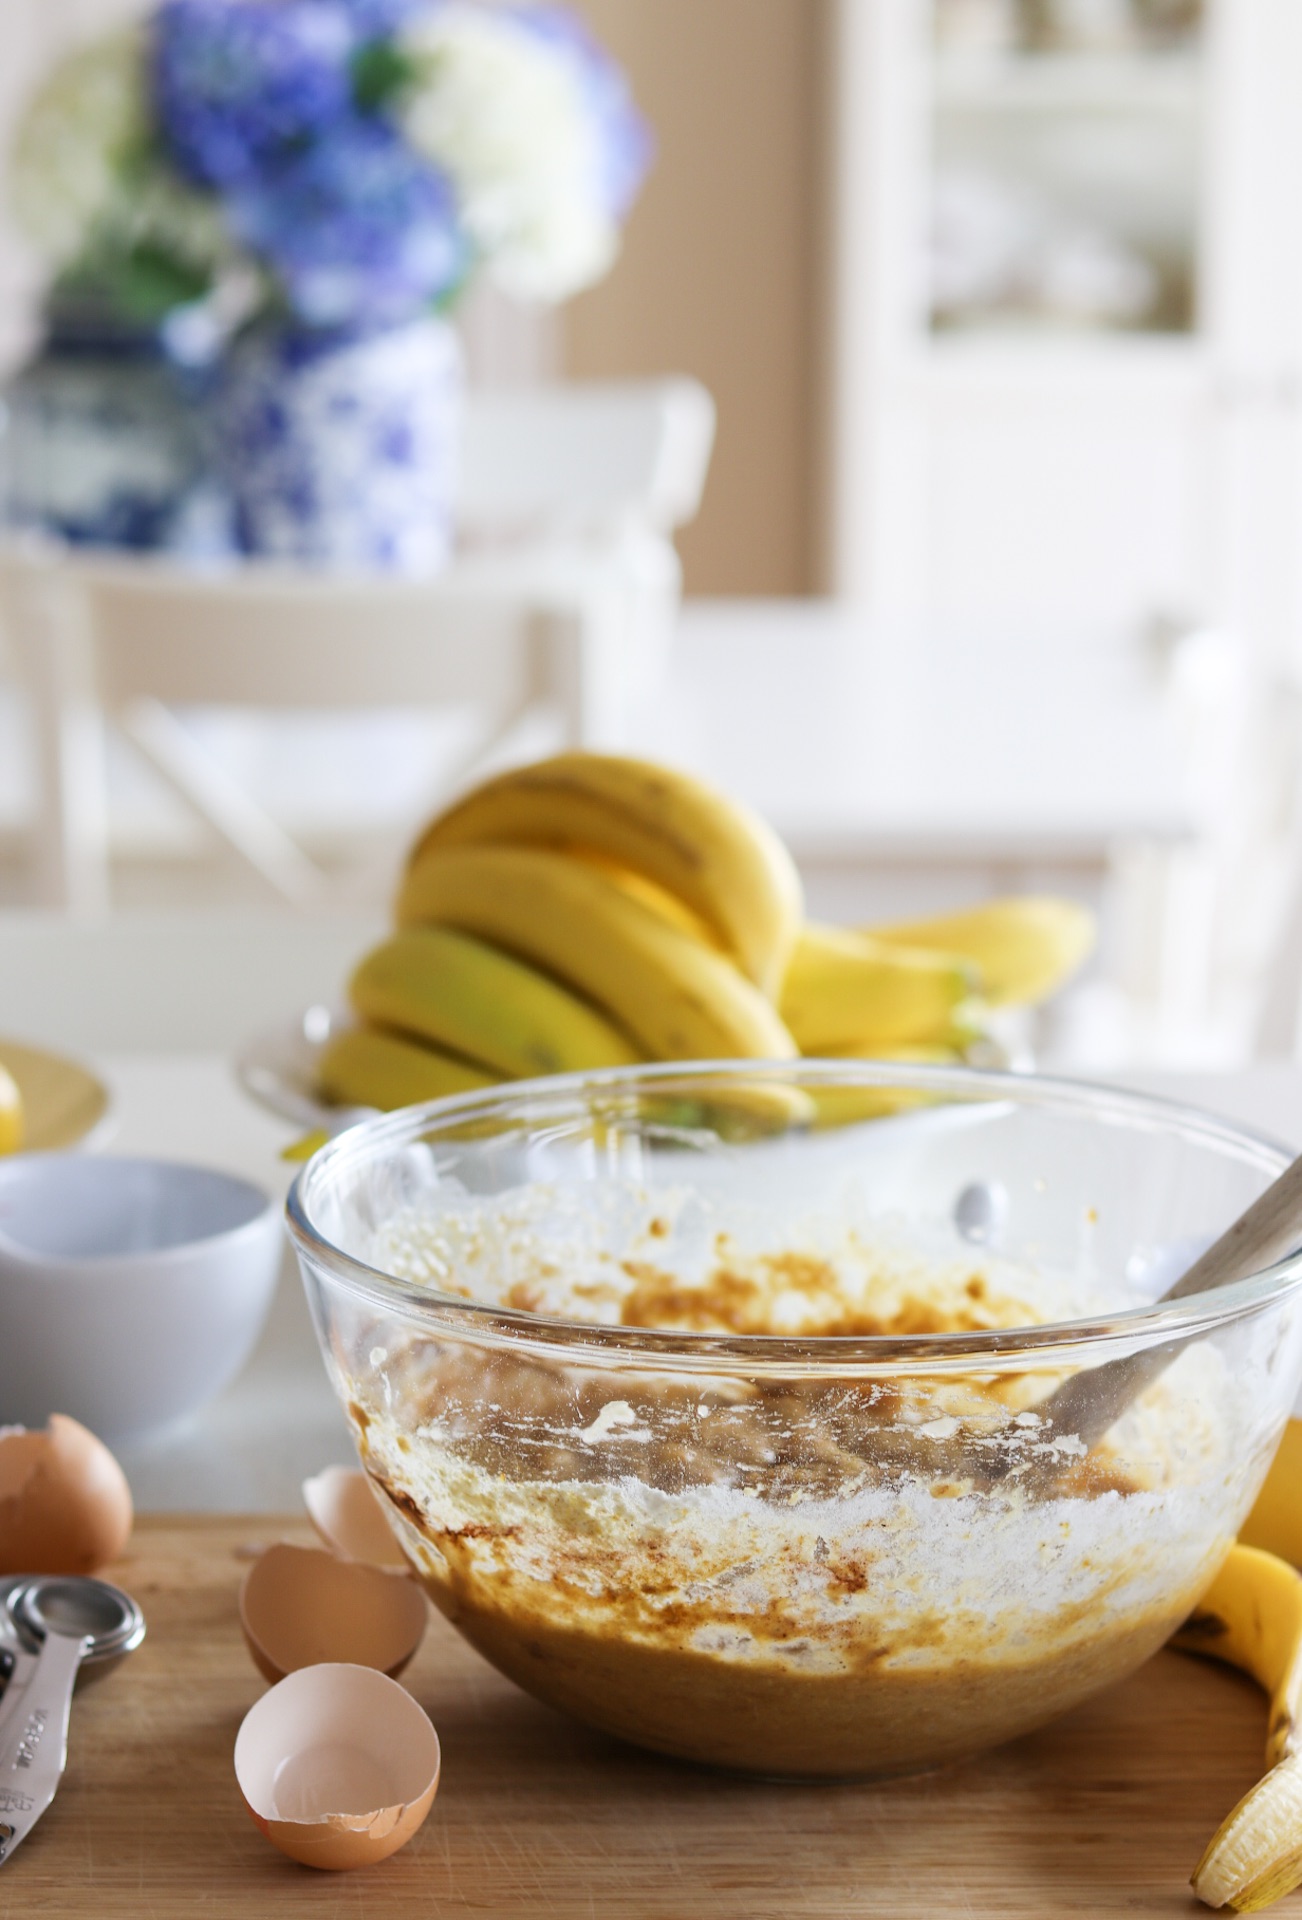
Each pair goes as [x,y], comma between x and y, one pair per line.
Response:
[311,175]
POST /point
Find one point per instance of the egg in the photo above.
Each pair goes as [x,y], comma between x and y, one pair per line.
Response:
[348,1512]
[338,1766]
[301,1605]
[65,1506]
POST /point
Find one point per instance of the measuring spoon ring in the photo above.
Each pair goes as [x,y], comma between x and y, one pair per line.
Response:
[68,1621]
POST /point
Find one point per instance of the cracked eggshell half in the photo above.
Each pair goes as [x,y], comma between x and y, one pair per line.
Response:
[300,1606]
[348,1513]
[338,1766]
[65,1506]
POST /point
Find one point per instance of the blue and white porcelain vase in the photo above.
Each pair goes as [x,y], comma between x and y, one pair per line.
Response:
[339,447]
[102,444]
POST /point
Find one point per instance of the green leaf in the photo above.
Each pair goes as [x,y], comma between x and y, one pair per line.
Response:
[381,71]
[141,284]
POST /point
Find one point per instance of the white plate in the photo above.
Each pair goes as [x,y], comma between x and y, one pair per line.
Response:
[278,1069]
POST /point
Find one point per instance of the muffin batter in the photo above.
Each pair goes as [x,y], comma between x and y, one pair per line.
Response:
[775,1574]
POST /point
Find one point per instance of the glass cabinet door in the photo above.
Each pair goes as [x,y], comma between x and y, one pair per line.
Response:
[1066,144]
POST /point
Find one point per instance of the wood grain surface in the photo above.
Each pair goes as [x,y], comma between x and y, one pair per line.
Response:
[1105,1812]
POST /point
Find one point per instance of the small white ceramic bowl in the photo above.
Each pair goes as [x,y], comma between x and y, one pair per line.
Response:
[131,1291]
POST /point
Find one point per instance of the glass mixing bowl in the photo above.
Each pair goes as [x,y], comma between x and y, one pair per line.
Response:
[703,1399]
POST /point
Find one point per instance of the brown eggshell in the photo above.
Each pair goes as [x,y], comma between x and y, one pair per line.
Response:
[348,1513]
[337,1765]
[65,1506]
[300,1606]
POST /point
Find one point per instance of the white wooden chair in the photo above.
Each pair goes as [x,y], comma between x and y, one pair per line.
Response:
[564,591]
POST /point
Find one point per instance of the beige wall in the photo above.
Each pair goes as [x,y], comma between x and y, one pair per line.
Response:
[719,273]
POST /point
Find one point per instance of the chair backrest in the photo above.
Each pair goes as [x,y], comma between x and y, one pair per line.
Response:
[171,981]
[592,452]
[265,637]
[546,463]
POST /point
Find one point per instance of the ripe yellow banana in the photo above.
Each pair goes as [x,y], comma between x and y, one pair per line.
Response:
[678,999]
[1022,947]
[487,1006]
[842,988]
[1275,1523]
[913,1053]
[724,862]
[363,1067]
[1251,1616]
[11,1113]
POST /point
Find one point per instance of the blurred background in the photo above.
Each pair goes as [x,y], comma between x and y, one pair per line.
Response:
[991,578]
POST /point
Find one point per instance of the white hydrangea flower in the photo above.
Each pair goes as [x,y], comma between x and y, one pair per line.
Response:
[502,112]
[66,174]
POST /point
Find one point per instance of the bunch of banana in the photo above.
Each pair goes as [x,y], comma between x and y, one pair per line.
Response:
[719,859]
[591,910]
[1251,1616]
[586,911]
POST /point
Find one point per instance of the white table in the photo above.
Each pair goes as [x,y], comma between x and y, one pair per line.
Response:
[278,1422]
[903,748]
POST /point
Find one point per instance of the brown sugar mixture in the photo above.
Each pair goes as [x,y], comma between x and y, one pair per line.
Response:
[777,1574]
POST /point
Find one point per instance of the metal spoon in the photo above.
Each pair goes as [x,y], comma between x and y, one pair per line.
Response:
[1090,1402]
[60,1624]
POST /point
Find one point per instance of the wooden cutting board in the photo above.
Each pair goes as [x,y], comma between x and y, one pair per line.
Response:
[1105,1812]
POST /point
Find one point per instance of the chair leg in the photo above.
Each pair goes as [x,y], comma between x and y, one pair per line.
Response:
[70,845]
[222,803]
[73,844]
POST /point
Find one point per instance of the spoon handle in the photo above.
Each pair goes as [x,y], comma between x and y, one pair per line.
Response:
[1088,1403]
[34,1740]
[1270,1229]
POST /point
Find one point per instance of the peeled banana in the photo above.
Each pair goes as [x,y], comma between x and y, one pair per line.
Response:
[1023,947]
[843,988]
[487,1006]
[720,859]
[363,1067]
[678,999]
[1251,1616]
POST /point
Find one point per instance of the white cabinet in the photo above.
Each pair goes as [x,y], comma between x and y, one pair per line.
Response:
[1066,364]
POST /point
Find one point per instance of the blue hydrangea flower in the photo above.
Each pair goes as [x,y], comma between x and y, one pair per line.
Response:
[358,229]
[624,139]
[374,19]
[239,86]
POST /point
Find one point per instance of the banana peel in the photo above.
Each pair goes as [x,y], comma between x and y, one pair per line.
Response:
[1251,1617]
[1255,1856]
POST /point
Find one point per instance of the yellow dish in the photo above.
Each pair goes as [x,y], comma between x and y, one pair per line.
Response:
[63,1103]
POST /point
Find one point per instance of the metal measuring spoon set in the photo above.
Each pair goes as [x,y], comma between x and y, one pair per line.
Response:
[53,1628]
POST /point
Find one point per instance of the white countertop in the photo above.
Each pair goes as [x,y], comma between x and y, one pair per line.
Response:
[278,1423]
